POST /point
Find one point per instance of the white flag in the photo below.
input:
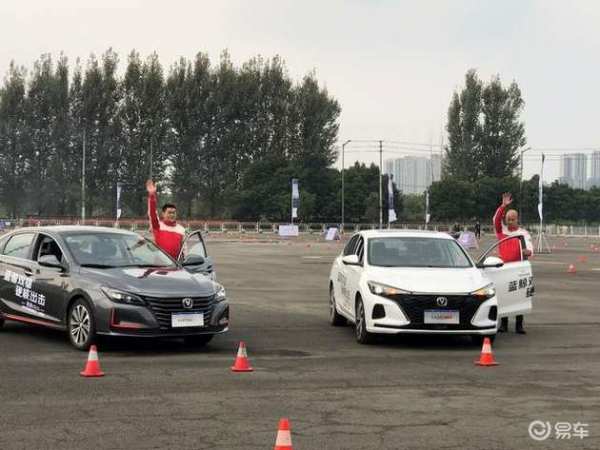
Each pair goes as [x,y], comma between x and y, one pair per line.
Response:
[391,211]
[295,198]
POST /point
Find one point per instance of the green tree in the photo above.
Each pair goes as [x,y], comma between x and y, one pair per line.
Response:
[484,130]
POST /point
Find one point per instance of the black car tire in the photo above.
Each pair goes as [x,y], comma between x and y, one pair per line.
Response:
[81,318]
[335,319]
[1,322]
[477,339]
[362,335]
[199,340]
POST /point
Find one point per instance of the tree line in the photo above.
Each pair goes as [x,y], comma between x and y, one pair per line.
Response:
[221,141]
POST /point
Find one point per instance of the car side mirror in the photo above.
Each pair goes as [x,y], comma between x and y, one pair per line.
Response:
[351,260]
[491,261]
[50,261]
[193,261]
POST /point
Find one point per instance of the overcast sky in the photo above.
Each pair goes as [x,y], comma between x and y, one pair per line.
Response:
[392,65]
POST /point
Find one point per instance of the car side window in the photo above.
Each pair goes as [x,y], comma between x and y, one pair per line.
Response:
[349,249]
[360,249]
[509,250]
[194,246]
[48,246]
[19,245]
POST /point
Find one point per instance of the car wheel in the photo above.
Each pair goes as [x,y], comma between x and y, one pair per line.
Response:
[362,335]
[335,319]
[81,325]
[1,322]
[199,340]
[477,339]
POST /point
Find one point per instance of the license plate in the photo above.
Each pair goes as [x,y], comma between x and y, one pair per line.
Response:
[179,320]
[445,316]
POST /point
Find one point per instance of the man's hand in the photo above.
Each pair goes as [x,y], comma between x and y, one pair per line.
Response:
[506,199]
[150,187]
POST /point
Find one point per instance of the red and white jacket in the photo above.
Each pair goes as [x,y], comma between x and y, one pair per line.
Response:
[510,251]
[167,235]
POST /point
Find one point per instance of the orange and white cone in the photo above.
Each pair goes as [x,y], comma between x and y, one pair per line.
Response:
[284,436]
[571,269]
[92,367]
[241,361]
[487,357]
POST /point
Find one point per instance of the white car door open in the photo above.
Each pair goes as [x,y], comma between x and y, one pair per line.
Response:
[513,282]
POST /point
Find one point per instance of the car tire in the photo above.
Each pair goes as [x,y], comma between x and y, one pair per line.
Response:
[81,325]
[335,319]
[360,324]
[199,340]
[1,322]
[477,339]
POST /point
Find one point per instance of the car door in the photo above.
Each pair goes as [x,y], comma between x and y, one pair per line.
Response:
[513,282]
[17,276]
[50,284]
[193,246]
[345,275]
[354,273]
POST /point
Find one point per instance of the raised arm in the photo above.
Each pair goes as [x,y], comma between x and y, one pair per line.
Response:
[506,201]
[152,213]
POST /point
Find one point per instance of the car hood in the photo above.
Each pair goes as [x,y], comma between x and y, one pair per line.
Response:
[429,280]
[153,281]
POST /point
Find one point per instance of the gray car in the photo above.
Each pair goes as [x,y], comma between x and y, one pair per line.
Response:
[92,281]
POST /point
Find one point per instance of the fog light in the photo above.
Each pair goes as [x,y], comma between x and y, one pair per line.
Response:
[378,312]
[493,314]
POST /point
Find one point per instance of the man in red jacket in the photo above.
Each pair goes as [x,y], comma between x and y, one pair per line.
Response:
[510,251]
[168,234]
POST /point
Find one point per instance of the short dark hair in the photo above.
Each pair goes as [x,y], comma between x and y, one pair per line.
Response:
[167,206]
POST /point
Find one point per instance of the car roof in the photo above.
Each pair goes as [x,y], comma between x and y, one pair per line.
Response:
[370,234]
[67,229]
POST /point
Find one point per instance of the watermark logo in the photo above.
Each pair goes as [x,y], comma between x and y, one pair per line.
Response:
[540,430]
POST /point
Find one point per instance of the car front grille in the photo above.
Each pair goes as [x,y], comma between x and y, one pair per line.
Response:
[414,307]
[163,308]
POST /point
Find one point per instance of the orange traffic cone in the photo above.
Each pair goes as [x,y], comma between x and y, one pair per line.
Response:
[92,367]
[571,269]
[486,358]
[284,436]
[241,361]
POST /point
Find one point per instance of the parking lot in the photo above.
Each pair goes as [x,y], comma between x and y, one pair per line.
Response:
[402,393]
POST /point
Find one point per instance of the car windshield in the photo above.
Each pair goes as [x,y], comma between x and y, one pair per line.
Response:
[107,250]
[416,252]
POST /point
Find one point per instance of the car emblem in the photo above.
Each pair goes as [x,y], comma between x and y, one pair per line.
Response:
[187,303]
[442,301]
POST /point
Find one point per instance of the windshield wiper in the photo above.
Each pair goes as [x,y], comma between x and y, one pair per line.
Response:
[98,266]
[145,265]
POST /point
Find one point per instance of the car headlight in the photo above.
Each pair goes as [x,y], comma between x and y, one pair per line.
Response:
[384,290]
[485,292]
[220,293]
[122,297]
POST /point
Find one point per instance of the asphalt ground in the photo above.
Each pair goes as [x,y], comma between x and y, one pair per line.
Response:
[402,393]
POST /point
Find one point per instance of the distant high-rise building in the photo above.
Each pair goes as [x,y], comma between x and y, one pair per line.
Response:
[412,174]
[594,180]
[573,170]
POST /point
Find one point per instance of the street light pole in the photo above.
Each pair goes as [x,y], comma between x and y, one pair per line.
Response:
[343,169]
[521,184]
[83,182]
[380,185]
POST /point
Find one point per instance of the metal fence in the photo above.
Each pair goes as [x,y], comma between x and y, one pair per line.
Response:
[227,227]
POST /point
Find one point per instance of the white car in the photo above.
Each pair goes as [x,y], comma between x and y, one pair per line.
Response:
[409,281]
